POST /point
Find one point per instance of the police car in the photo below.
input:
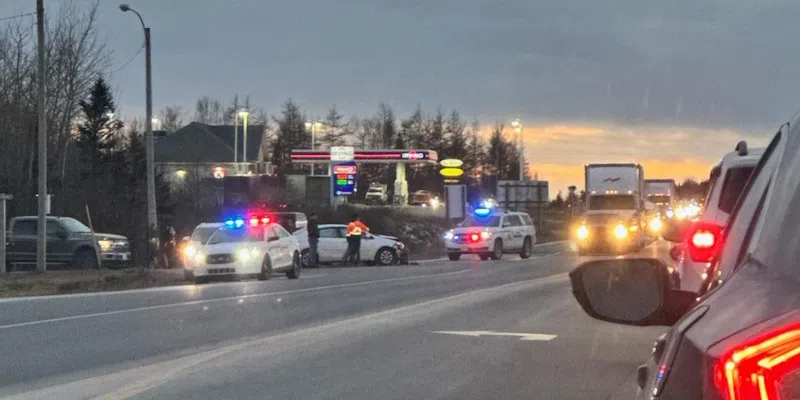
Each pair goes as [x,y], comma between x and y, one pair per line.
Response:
[253,246]
[489,233]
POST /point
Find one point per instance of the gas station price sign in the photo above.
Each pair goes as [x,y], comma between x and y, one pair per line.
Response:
[344,178]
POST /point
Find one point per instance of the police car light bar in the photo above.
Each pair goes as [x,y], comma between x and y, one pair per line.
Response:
[482,212]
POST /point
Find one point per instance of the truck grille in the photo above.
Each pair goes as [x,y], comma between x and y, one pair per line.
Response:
[219,258]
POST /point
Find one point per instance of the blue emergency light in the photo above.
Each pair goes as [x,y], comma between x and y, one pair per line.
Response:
[234,222]
[482,211]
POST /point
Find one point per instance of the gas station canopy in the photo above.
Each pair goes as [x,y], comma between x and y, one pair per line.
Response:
[416,156]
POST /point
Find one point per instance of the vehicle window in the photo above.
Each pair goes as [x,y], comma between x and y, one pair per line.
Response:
[342,232]
[732,187]
[282,233]
[712,180]
[73,225]
[272,233]
[612,202]
[53,228]
[514,220]
[471,221]
[202,234]
[329,233]
[26,227]
[526,219]
[225,235]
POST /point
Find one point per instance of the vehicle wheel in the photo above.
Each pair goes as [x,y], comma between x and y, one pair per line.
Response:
[85,259]
[454,256]
[497,251]
[527,248]
[200,280]
[385,256]
[305,259]
[484,256]
[266,270]
[294,273]
[188,275]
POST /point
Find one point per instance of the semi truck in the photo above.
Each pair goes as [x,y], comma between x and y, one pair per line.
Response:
[615,209]
[660,193]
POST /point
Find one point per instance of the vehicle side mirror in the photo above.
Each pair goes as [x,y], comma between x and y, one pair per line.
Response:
[63,235]
[675,253]
[675,230]
[634,291]
[272,238]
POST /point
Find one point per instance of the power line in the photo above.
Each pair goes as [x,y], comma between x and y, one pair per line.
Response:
[129,61]
[18,16]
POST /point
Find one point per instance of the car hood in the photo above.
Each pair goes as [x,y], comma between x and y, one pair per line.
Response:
[385,237]
[101,236]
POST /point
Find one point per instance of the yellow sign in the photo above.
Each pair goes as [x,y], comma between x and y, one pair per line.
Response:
[451,172]
[451,163]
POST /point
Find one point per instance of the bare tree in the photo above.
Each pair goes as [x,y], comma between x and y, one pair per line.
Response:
[208,111]
[171,118]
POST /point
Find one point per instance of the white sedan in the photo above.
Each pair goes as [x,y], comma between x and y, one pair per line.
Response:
[380,249]
[247,251]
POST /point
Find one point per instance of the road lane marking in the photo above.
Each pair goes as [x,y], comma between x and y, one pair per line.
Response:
[244,296]
[522,336]
[137,380]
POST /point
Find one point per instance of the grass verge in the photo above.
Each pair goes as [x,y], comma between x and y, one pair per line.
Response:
[100,280]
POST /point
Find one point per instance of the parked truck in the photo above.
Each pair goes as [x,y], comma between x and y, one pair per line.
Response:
[69,242]
[615,208]
[377,194]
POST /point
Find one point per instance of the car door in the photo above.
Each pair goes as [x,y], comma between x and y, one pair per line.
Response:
[507,232]
[287,245]
[23,242]
[274,248]
[58,243]
[332,245]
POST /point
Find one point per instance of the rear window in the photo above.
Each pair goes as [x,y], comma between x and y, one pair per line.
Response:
[732,187]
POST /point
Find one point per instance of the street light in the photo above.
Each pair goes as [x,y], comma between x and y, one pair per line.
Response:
[313,126]
[517,125]
[152,217]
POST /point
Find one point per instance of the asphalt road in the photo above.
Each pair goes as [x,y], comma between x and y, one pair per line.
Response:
[452,330]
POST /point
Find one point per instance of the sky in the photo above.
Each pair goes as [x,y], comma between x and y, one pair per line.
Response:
[671,84]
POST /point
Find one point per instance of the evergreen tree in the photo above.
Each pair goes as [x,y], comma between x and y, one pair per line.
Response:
[335,132]
[388,128]
[475,156]
[292,134]
[456,137]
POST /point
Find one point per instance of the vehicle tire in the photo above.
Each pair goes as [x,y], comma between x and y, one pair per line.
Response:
[305,259]
[484,256]
[266,270]
[527,248]
[85,259]
[497,251]
[200,280]
[454,256]
[385,256]
[188,275]
[294,273]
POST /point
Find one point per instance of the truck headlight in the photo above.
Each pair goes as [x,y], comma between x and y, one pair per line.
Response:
[620,231]
[105,244]
[583,232]
[449,235]
[199,257]
[656,224]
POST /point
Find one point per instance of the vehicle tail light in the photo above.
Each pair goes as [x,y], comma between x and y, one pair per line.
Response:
[765,369]
[704,241]
[265,220]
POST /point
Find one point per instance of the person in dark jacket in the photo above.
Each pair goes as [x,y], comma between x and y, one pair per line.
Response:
[313,240]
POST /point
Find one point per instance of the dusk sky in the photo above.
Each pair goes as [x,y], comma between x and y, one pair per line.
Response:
[672,84]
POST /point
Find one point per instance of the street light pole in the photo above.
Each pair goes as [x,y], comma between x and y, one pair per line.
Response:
[244,114]
[517,125]
[41,247]
[152,216]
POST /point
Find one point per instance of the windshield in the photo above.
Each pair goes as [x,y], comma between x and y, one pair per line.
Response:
[202,234]
[489,221]
[225,235]
[73,225]
[658,199]
[612,202]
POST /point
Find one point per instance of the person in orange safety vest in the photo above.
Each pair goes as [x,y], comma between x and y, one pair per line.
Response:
[355,230]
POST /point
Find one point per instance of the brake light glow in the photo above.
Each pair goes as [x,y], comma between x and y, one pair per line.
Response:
[704,241]
[254,222]
[475,237]
[757,369]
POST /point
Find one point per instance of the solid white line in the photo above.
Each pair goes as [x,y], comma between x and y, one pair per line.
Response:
[246,296]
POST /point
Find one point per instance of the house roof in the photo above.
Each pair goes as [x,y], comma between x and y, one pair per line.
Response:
[199,142]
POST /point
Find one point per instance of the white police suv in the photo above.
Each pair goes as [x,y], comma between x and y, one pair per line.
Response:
[490,233]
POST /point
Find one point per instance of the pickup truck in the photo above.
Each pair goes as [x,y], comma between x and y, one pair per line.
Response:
[69,242]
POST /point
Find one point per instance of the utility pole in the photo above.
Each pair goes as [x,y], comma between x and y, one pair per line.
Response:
[41,245]
[152,213]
